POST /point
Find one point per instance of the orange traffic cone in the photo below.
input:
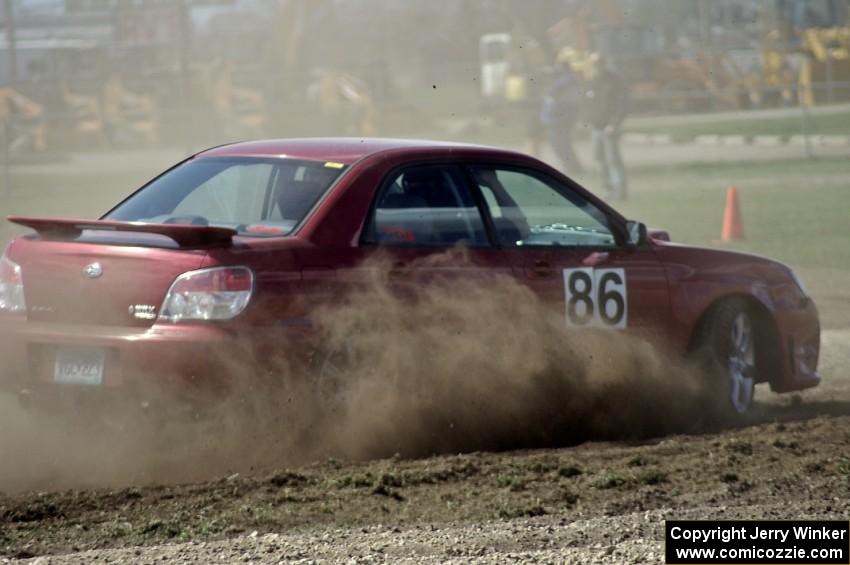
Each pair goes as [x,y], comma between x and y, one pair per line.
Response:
[733,228]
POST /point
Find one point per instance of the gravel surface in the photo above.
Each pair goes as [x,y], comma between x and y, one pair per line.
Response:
[635,537]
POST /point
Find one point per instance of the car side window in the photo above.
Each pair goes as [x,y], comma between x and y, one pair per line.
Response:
[532,210]
[427,206]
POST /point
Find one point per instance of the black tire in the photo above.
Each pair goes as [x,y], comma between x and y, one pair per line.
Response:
[725,347]
[333,371]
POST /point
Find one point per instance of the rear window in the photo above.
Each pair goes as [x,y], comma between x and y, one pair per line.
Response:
[256,197]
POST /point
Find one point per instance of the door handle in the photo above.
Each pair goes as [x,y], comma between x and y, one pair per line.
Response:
[541,270]
[595,259]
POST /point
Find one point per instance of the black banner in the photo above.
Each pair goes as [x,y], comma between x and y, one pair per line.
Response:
[758,542]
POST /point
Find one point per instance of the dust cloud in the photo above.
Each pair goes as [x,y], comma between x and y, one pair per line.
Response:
[459,364]
[468,364]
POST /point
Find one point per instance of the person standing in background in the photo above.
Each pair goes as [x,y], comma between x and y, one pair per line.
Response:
[527,73]
[607,107]
[560,114]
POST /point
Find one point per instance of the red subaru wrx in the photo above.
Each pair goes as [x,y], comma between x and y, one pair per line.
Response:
[243,240]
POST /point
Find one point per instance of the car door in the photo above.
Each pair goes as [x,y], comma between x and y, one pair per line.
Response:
[421,212]
[566,248]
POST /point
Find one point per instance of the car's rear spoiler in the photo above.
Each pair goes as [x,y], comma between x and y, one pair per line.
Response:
[184,235]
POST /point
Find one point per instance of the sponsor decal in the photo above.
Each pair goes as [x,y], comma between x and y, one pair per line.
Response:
[142,311]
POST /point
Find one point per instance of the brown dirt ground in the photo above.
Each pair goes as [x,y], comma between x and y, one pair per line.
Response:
[796,451]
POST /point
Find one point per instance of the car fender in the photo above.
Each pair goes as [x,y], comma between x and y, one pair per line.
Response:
[701,278]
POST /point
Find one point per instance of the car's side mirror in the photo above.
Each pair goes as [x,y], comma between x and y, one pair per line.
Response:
[636,234]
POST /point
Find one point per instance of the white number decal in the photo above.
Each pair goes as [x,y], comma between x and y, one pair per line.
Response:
[596,297]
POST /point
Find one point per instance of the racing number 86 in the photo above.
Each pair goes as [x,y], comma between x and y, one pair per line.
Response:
[596,297]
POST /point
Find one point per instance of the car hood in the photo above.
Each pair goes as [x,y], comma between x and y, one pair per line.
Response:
[689,260]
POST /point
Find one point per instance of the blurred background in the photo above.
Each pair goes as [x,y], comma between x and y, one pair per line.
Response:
[97,74]
[97,96]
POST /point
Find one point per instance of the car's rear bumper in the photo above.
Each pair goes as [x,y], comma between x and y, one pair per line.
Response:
[799,335]
[138,362]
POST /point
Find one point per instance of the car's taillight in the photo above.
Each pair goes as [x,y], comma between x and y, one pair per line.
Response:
[11,288]
[220,293]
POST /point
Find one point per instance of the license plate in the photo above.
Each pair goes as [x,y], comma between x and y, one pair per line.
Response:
[79,366]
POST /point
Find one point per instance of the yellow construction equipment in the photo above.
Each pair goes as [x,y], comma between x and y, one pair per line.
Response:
[87,123]
[241,111]
[828,62]
[23,121]
[127,114]
[807,50]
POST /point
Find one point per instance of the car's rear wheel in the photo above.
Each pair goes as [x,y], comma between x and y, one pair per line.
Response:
[727,347]
[333,378]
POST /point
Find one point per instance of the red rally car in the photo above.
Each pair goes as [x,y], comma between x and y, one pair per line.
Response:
[231,238]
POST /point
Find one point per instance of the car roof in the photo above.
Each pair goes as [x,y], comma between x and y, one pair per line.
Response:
[345,150]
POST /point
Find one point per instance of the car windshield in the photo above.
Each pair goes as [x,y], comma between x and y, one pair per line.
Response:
[256,197]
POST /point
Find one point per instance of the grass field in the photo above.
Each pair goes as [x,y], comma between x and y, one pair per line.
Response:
[506,125]
[795,211]
[686,128]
